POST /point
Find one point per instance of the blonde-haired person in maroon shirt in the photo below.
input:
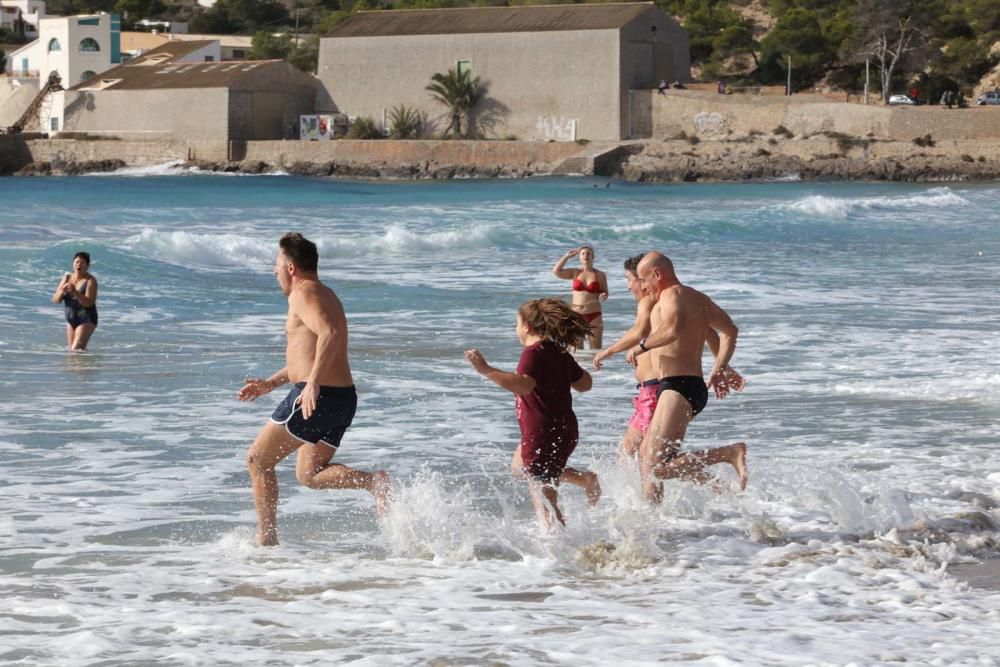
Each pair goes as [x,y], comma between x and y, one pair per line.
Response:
[544,405]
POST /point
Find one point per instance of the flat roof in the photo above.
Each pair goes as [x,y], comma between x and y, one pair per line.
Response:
[460,20]
[136,76]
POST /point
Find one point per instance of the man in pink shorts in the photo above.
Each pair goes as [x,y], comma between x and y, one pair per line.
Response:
[645,373]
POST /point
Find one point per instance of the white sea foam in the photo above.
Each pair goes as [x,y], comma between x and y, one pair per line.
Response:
[172,168]
[843,207]
[206,250]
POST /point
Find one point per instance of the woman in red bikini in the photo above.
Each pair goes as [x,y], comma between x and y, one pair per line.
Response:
[590,288]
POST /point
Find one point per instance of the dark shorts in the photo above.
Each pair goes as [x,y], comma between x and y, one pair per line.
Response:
[334,412]
[691,387]
[78,316]
[544,455]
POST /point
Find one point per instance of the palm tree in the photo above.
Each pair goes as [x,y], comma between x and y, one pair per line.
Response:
[460,93]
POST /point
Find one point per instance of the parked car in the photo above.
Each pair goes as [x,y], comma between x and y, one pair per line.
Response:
[902,99]
[992,97]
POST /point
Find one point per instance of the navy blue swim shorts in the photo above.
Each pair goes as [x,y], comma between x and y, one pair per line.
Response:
[335,408]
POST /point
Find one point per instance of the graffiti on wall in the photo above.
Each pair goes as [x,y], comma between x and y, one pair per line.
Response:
[710,123]
[557,129]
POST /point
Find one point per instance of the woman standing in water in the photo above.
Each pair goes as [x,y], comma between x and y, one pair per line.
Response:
[590,288]
[78,292]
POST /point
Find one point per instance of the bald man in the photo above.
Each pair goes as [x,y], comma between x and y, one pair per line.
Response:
[679,319]
[645,373]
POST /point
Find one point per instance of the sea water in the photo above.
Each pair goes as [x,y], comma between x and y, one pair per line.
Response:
[868,316]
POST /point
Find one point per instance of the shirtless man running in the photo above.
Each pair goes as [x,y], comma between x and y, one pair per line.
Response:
[645,374]
[319,408]
[679,319]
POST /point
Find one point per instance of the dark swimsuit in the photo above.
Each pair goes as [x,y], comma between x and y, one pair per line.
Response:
[335,407]
[76,312]
[691,387]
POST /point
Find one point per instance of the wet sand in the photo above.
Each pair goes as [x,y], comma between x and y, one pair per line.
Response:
[981,575]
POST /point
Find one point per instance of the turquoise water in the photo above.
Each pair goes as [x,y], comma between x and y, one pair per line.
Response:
[867,314]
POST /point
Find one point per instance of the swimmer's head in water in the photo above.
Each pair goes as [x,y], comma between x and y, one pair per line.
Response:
[553,320]
[83,257]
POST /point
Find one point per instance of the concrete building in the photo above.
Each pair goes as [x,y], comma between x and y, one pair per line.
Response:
[21,16]
[560,72]
[233,47]
[77,47]
[157,96]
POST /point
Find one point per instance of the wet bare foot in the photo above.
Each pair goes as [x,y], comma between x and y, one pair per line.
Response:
[740,463]
[592,487]
[267,538]
[382,490]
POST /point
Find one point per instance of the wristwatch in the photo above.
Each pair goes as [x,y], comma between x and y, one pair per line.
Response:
[642,345]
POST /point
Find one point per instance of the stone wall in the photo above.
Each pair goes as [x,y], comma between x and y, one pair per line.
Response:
[132,153]
[719,116]
[14,153]
[486,154]
[351,157]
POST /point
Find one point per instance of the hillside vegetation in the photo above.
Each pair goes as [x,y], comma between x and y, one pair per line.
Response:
[932,45]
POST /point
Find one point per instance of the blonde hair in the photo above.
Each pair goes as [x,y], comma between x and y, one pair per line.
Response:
[553,320]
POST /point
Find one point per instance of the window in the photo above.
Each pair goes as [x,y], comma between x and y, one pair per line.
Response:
[54,124]
[54,45]
[89,44]
[464,67]
[239,54]
[86,76]
[210,59]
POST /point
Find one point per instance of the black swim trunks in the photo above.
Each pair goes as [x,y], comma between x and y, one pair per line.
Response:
[334,412]
[691,387]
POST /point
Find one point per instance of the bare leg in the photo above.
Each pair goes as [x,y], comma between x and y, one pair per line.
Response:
[546,501]
[663,438]
[586,480]
[83,334]
[273,443]
[597,333]
[691,465]
[70,336]
[629,448]
[543,495]
[314,470]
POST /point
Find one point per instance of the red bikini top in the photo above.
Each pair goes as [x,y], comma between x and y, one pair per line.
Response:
[593,288]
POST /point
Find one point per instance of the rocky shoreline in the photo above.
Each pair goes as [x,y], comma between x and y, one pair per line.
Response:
[686,160]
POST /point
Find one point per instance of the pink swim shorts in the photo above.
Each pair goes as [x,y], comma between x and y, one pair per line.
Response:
[645,405]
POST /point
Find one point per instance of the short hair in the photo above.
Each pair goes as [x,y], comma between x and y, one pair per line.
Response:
[300,251]
[632,263]
[85,256]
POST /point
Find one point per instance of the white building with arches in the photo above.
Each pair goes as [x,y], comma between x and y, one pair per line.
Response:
[76,47]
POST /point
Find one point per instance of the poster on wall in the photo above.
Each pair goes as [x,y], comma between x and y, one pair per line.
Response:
[315,127]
